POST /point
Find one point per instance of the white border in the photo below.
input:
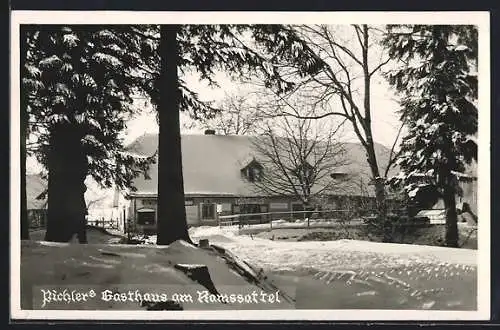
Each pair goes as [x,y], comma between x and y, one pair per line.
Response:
[481,19]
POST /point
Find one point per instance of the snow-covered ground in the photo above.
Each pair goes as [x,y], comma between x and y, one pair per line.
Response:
[315,274]
[328,255]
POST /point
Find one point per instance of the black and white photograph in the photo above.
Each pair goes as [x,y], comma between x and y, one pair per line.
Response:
[250,166]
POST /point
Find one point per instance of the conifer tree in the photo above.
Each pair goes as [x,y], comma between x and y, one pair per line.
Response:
[77,84]
[437,80]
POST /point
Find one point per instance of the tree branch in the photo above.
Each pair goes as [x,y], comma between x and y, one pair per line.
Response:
[392,155]
[379,66]
[142,34]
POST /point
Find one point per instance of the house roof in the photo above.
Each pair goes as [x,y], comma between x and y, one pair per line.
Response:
[35,185]
[212,164]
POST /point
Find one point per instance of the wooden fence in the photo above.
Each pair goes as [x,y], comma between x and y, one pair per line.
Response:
[102,223]
[300,218]
[323,218]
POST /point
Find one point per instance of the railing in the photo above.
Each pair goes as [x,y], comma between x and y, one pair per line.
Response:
[294,218]
[229,220]
[106,224]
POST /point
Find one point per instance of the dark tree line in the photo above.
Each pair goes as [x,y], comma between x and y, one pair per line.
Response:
[77,83]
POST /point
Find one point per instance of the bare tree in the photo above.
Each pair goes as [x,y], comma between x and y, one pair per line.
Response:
[96,197]
[350,60]
[238,115]
[298,157]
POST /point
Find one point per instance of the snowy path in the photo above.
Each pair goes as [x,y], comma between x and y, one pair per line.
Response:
[328,255]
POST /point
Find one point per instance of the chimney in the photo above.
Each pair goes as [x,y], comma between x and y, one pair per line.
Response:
[209,132]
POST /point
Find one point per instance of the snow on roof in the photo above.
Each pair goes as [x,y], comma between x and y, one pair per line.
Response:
[212,164]
[35,185]
[211,167]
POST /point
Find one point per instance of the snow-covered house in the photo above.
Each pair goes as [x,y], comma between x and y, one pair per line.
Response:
[219,171]
[431,206]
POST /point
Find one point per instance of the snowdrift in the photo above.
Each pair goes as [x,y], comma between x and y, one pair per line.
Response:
[240,272]
[135,277]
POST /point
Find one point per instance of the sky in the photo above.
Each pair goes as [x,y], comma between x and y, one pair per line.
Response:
[385,122]
[384,106]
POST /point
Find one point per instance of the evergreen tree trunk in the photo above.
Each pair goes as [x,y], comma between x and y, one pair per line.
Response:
[23,135]
[58,222]
[67,171]
[451,235]
[171,221]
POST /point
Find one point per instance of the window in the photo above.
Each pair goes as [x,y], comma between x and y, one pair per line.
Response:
[252,172]
[338,175]
[146,217]
[208,211]
[304,171]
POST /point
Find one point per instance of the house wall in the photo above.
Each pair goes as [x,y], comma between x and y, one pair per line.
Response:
[205,210]
[208,216]
[194,211]
[200,210]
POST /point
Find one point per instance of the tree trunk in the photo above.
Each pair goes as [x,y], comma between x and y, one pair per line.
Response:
[380,196]
[383,219]
[171,222]
[451,235]
[58,224]
[67,165]
[23,112]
